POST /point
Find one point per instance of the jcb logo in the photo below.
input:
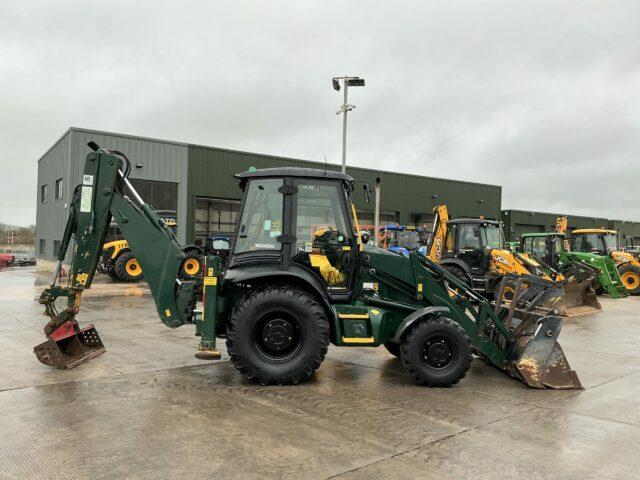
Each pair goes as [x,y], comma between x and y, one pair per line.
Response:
[502,260]
[438,248]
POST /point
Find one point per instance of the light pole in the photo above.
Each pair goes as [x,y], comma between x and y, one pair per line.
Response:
[347,82]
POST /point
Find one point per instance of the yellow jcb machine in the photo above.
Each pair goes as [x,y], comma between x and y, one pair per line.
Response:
[473,250]
[605,242]
[119,263]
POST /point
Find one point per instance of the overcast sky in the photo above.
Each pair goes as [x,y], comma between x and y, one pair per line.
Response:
[542,98]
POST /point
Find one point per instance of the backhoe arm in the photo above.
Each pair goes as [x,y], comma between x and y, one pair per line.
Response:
[100,198]
[439,236]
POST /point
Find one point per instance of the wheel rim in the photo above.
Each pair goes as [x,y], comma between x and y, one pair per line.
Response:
[191,266]
[508,294]
[133,268]
[630,280]
[276,336]
[439,352]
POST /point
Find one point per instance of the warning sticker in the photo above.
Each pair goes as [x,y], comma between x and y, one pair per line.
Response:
[85,199]
[211,281]
[87,179]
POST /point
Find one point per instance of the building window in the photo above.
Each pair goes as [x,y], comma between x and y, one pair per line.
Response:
[59,189]
[214,216]
[56,247]
[162,196]
[43,194]
[41,247]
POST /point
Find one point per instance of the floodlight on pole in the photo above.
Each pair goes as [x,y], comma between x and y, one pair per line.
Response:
[346,82]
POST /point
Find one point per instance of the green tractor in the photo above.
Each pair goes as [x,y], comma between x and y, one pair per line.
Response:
[550,250]
[299,278]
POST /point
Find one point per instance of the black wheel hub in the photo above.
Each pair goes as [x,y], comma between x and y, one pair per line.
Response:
[278,334]
[438,352]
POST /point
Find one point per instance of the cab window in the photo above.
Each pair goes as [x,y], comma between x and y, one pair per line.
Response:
[469,237]
[261,222]
[323,240]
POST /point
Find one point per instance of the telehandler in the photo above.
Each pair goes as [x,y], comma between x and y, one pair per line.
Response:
[473,250]
[605,242]
[121,265]
[277,310]
[553,252]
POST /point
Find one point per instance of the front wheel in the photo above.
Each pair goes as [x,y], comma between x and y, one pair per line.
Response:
[630,276]
[436,352]
[127,268]
[278,334]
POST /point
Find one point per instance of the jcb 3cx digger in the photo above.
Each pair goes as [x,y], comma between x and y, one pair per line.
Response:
[277,310]
[605,242]
[473,251]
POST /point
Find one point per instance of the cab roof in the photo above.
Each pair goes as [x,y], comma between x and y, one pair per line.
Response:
[542,234]
[294,172]
[477,221]
[593,230]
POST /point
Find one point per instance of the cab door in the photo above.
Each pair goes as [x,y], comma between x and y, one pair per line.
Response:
[325,240]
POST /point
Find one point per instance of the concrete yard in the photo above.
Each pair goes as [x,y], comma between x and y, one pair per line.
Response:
[148,409]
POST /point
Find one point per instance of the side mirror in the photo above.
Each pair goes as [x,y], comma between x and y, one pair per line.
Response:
[365,236]
[367,192]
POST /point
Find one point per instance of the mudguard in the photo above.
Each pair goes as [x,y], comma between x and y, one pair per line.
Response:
[414,317]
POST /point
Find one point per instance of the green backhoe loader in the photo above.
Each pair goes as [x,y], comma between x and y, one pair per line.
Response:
[299,278]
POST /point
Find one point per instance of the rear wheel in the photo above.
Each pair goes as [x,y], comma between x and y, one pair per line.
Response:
[459,273]
[278,334]
[630,276]
[393,348]
[127,268]
[436,352]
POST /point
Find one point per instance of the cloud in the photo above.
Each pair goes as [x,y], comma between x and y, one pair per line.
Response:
[539,97]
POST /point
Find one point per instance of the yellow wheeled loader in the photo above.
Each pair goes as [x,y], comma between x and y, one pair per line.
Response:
[473,250]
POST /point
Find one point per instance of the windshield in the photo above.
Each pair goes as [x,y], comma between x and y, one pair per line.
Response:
[595,242]
[408,239]
[491,236]
[610,242]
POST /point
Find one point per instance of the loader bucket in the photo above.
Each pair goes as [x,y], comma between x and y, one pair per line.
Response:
[69,346]
[539,359]
[579,299]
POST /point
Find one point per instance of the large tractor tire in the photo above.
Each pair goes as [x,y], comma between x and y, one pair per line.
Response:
[630,276]
[127,268]
[278,334]
[459,273]
[393,349]
[192,266]
[436,352]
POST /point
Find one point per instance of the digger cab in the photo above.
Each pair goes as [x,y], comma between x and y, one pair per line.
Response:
[471,241]
[298,222]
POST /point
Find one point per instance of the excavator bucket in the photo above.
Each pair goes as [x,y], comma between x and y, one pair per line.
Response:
[535,357]
[67,345]
[579,299]
[539,360]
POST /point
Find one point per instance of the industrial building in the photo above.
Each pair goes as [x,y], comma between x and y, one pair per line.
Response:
[196,182]
[517,222]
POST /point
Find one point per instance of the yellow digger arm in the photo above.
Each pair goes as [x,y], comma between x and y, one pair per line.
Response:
[439,235]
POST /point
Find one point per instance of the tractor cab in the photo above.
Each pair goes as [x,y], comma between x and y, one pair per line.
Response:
[400,239]
[595,240]
[543,247]
[298,222]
